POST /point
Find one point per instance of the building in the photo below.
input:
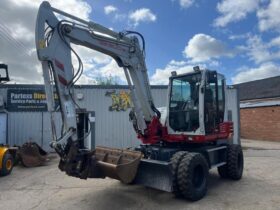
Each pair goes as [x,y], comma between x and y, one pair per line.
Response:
[260,109]
[26,117]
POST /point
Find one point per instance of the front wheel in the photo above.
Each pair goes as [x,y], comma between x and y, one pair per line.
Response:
[175,162]
[7,164]
[192,176]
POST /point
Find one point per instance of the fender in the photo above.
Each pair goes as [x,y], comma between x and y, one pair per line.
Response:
[3,151]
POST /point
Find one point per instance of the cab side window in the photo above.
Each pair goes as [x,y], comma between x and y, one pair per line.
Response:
[221,98]
[210,102]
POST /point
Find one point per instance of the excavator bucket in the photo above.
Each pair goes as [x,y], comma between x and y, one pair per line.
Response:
[32,155]
[118,164]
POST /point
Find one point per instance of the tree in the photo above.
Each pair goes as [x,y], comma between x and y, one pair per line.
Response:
[106,80]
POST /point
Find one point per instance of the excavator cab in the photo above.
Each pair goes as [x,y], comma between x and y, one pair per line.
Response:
[196,95]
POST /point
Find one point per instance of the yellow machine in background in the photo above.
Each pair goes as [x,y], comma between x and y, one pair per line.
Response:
[7,154]
[6,160]
[28,154]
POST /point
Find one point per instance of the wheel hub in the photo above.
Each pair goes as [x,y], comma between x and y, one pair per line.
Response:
[9,165]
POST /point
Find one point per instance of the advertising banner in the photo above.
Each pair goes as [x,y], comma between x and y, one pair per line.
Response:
[27,100]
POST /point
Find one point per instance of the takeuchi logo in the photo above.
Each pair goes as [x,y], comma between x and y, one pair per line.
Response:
[120,100]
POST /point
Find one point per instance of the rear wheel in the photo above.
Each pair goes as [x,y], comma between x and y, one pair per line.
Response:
[192,176]
[175,161]
[222,170]
[235,163]
[7,164]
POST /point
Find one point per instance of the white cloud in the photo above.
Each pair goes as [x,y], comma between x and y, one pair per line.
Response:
[76,7]
[269,16]
[161,75]
[97,65]
[112,69]
[263,71]
[214,63]
[234,10]
[110,9]
[177,63]
[142,15]
[91,56]
[259,51]
[186,3]
[79,8]
[120,16]
[17,30]
[275,42]
[239,36]
[202,47]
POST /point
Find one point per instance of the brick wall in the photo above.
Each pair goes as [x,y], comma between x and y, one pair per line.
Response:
[261,123]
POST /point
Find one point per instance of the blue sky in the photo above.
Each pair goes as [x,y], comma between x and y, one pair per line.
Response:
[175,25]
[239,38]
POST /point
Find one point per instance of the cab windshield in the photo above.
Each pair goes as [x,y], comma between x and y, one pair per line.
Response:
[184,103]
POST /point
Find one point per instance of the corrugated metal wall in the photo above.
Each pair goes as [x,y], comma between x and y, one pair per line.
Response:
[112,128]
[31,126]
[23,127]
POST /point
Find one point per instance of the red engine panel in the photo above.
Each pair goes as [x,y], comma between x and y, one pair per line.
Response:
[156,132]
[152,133]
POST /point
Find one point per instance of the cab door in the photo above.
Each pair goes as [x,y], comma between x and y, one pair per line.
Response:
[214,102]
[210,102]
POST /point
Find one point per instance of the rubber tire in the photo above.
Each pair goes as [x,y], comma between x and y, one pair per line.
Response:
[175,161]
[186,174]
[222,170]
[4,171]
[235,163]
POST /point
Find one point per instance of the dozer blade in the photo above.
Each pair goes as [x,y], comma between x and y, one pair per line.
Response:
[32,155]
[118,164]
[155,174]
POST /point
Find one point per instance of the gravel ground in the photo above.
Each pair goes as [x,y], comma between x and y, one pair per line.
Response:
[48,188]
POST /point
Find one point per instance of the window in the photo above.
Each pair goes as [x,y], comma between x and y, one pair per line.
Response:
[210,103]
[180,91]
[221,97]
[184,103]
[214,102]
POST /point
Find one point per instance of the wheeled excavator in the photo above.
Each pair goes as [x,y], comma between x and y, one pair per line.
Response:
[198,129]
